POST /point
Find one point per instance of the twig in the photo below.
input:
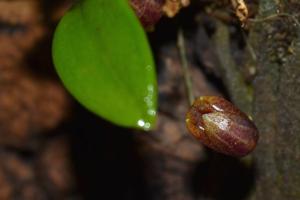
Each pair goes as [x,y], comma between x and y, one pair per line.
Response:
[274,16]
[231,76]
[184,65]
[249,47]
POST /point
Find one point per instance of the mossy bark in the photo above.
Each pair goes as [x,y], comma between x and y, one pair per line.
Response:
[277,101]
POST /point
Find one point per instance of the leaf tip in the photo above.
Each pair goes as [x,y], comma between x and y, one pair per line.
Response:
[145,125]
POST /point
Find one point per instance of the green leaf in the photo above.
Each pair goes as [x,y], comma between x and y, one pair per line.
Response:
[102,55]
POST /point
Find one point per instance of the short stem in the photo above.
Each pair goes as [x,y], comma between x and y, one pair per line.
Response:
[184,65]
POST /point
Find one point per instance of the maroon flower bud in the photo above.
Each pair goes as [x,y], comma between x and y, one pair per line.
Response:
[219,125]
[148,11]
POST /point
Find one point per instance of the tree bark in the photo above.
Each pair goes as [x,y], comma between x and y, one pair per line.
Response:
[276,101]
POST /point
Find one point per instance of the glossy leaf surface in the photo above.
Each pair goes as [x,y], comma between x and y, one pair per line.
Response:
[102,55]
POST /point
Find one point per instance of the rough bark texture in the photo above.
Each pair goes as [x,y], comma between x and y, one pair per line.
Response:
[276,105]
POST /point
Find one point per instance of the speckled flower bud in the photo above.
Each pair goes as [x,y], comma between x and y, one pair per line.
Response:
[219,125]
